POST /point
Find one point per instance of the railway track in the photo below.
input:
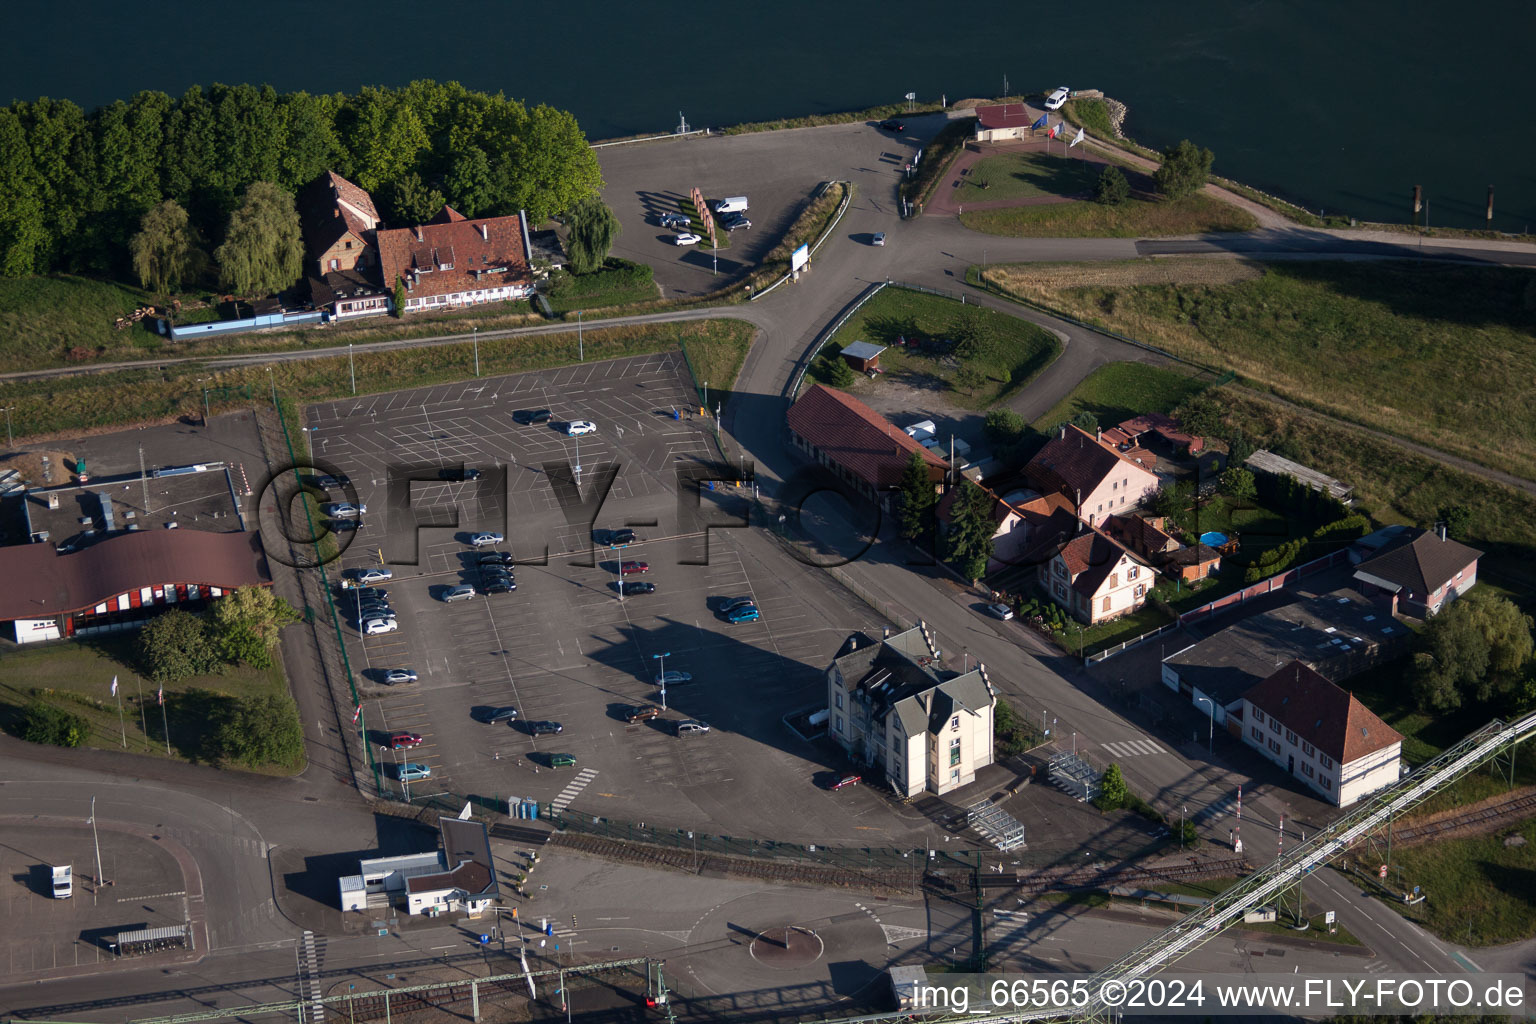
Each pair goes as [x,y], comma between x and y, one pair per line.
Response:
[1485,819]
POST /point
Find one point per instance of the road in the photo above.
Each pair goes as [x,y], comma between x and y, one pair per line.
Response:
[212,819]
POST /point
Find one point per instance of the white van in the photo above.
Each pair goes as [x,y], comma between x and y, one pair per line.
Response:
[733,204]
[63,882]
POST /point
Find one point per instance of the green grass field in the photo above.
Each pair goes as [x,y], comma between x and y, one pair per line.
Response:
[1136,218]
[1396,485]
[77,677]
[145,395]
[1009,351]
[1440,354]
[1025,176]
[1119,391]
[1481,892]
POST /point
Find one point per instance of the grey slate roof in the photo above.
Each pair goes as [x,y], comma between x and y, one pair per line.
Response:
[1418,561]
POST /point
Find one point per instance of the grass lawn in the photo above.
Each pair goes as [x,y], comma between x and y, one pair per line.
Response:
[1443,355]
[602,289]
[1118,391]
[139,396]
[1009,352]
[77,676]
[1093,639]
[1198,214]
[716,357]
[1481,892]
[1398,486]
[1025,176]
[53,321]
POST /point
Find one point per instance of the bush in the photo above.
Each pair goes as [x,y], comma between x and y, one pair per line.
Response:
[832,370]
[1013,734]
[44,723]
[1112,188]
[260,731]
[1184,170]
[1113,792]
[175,645]
[1003,426]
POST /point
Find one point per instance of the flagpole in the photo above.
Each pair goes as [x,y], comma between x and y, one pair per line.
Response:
[143,715]
[121,723]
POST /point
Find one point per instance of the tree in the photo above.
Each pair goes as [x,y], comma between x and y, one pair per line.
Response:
[261,730]
[400,297]
[1113,792]
[1238,483]
[918,497]
[1003,426]
[835,371]
[971,530]
[593,229]
[1112,188]
[1086,420]
[413,201]
[165,252]
[1474,650]
[44,723]
[968,379]
[1457,520]
[246,623]
[558,170]
[24,232]
[1184,170]
[1011,735]
[174,646]
[262,253]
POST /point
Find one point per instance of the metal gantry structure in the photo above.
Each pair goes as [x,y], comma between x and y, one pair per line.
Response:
[1367,823]
[1370,824]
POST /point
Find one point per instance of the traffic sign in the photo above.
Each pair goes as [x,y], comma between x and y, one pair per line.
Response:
[1383,872]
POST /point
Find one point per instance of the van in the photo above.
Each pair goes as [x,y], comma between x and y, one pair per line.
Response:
[733,204]
[63,882]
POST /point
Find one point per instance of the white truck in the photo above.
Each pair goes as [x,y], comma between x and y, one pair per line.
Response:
[732,204]
[63,882]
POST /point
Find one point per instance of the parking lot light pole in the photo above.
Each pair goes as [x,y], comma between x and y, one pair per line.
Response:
[581,350]
[352,368]
[1210,733]
[476,338]
[663,677]
[9,439]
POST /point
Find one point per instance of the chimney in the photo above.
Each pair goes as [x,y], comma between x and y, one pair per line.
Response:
[418,233]
[485,233]
[1063,431]
[1442,531]
[1098,434]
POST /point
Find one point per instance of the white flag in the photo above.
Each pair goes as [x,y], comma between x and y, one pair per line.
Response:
[1077,138]
[464,814]
[114,686]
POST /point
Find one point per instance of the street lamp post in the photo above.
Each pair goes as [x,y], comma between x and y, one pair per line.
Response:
[476,338]
[352,368]
[581,350]
[273,378]
[1210,733]
[1183,813]
[9,439]
[663,677]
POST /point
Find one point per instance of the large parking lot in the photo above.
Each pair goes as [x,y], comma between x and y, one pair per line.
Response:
[564,646]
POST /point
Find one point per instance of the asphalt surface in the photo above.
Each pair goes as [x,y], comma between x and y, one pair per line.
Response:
[232,825]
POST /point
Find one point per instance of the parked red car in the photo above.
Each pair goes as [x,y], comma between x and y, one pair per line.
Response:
[631,568]
[843,781]
[402,740]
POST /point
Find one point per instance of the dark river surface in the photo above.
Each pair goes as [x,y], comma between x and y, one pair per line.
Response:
[1343,107]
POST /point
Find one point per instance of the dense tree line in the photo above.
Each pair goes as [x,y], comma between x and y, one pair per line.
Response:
[74,186]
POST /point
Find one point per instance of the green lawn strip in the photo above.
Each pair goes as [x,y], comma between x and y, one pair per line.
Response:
[1009,351]
[1395,485]
[717,358]
[98,401]
[1092,114]
[811,222]
[889,111]
[59,320]
[1481,892]
[1118,391]
[1135,218]
[1093,639]
[78,678]
[620,284]
[1026,175]
[1431,352]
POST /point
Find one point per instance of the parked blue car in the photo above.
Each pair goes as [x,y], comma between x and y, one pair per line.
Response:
[746,613]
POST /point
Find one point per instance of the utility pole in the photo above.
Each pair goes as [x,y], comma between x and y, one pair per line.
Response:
[144,479]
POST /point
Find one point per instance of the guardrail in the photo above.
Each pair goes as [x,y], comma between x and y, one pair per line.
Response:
[825,234]
[650,138]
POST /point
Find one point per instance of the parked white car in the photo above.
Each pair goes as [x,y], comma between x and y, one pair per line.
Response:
[373,627]
[343,510]
[486,540]
[375,575]
[1055,100]
[687,238]
[576,428]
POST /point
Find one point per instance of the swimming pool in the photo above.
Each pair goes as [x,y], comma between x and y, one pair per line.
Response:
[1213,539]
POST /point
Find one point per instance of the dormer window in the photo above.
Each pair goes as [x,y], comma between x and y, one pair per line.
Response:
[954,723]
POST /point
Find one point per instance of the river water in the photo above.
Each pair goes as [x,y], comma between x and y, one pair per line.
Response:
[1343,107]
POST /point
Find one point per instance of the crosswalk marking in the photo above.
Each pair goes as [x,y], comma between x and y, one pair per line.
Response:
[573,790]
[1133,748]
[1218,808]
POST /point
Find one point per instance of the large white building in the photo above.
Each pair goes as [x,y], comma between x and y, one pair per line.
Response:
[460,876]
[1321,735]
[894,708]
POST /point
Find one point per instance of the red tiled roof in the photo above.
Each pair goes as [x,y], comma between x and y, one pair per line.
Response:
[449,256]
[447,215]
[45,583]
[856,437]
[1321,713]
[1167,426]
[1004,115]
[1076,463]
[329,207]
[1138,534]
[1090,557]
